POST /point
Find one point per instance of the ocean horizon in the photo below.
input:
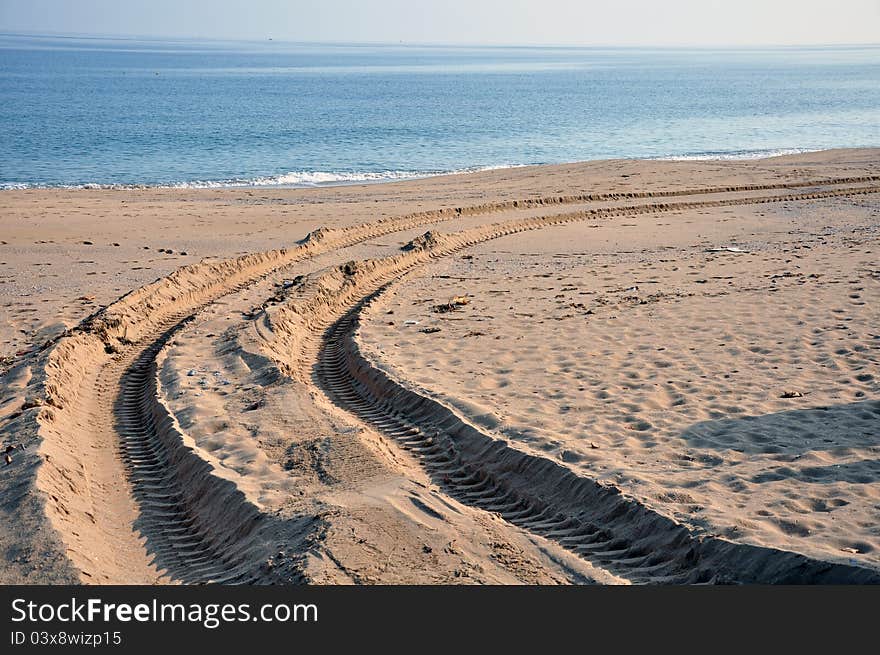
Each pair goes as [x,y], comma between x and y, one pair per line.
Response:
[124,112]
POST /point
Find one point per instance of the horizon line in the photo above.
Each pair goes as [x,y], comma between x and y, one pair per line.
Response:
[463,44]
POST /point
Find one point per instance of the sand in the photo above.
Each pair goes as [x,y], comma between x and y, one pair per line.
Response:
[648,372]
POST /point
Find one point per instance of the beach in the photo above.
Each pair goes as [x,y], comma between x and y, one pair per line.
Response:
[609,372]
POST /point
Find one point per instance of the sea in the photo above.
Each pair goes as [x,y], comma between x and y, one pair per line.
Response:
[81,111]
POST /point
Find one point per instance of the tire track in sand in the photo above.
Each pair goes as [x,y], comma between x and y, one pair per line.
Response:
[189,515]
[534,493]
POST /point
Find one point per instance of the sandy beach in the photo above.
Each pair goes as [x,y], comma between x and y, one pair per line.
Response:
[608,372]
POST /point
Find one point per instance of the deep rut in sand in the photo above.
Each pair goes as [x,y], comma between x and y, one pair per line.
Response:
[199,527]
[595,521]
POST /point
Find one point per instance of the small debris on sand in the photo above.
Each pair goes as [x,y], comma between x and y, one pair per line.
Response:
[791,394]
[727,249]
[452,305]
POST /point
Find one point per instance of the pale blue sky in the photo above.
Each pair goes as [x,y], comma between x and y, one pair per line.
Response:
[614,22]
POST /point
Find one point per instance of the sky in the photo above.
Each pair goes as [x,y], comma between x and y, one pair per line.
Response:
[545,22]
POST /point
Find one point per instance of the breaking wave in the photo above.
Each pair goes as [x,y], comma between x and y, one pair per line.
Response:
[294,179]
[736,154]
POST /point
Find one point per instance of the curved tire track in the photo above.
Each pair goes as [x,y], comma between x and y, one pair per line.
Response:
[594,520]
[201,528]
[534,493]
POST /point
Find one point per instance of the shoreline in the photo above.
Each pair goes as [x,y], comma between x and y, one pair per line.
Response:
[323,179]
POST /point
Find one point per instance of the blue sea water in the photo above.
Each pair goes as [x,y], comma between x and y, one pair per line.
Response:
[83,111]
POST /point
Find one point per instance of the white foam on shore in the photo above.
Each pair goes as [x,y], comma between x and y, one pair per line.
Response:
[309,179]
[292,179]
[736,154]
